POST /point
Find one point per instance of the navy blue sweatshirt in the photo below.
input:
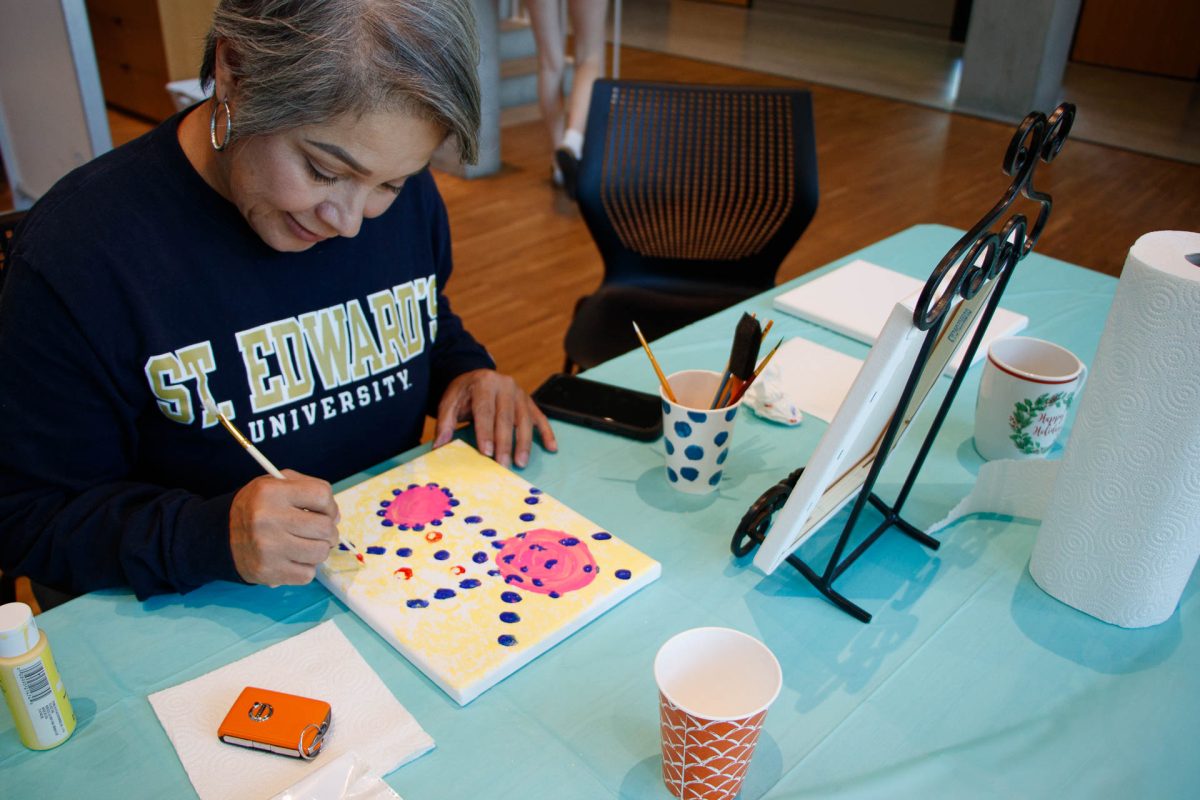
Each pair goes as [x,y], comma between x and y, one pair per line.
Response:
[134,291]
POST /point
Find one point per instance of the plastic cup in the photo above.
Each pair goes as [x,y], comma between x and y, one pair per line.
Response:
[714,688]
[696,437]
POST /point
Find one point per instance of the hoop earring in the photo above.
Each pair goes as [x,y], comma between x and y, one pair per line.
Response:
[212,125]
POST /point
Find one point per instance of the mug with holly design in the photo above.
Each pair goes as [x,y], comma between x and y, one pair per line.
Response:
[1027,388]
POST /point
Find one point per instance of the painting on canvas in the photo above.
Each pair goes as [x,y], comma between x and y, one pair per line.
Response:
[470,571]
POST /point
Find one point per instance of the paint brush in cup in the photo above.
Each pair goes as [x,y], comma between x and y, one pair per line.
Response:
[654,363]
[263,461]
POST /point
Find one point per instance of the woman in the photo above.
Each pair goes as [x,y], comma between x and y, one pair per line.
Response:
[280,250]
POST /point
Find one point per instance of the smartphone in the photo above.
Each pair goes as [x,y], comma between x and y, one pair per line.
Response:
[601,406]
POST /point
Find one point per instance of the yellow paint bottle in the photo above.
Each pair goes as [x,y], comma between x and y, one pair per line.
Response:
[32,688]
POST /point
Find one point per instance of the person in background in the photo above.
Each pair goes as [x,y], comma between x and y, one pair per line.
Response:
[280,250]
[567,121]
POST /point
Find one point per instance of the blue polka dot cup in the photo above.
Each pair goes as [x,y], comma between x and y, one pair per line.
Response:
[696,437]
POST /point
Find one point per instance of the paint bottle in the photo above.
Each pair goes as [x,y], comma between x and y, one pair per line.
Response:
[32,688]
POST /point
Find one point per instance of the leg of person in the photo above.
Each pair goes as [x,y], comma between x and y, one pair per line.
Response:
[587,25]
[548,33]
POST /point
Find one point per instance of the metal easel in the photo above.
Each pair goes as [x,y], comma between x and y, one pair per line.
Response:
[976,269]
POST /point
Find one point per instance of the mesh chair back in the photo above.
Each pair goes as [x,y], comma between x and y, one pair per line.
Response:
[701,184]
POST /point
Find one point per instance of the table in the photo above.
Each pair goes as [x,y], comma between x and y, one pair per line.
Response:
[970,681]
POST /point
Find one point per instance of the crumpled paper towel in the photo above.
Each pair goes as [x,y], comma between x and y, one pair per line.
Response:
[344,778]
[768,398]
[320,663]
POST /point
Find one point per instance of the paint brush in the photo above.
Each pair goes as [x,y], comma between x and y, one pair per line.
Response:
[262,460]
[758,370]
[742,354]
[654,363]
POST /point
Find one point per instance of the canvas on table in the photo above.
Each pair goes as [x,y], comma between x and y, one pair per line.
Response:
[470,571]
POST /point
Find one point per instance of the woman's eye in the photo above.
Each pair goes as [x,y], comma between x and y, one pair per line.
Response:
[394,188]
[318,176]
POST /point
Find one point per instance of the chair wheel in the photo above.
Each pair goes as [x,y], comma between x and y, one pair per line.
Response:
[752,530]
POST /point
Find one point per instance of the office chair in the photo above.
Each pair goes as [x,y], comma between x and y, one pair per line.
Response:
[694,195]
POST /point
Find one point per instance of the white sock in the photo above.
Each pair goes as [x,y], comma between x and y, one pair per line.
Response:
[573,141]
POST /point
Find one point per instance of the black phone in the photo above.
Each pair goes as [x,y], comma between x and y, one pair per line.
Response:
[602,406]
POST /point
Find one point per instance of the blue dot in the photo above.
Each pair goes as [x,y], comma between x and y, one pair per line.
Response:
[537,582]
[454,503]
[511,597]
[507,641]
[527,517]
[342,547]
[401,527]
[671,476]
[570,541]
[376,550]
[555,595]
[381,513]
[669,445]
[550,563]
[534,490]
[479,557]
[720,438]
[387,523]
[487,532]
[730,414]
[443,594]
[524,569]
[715,479]
[724,455]
[513,579]
[493,572]
[587,567]
[601,536]
[499,545]
[411,486]
[520,535]
[624,574]
[469,583]
[442,555]
[435,522]
[508,558]
[689,473]
[473,520]
[417,603]
[447,492]
[697,416]
[418,527]
[694,452]
[683,430]
[666,408]
[531,501]
[404,552]
[510,617]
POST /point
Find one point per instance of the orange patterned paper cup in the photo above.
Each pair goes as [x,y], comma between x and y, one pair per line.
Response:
[715,685]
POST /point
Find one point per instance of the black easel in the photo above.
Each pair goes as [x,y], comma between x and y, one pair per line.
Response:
[982,262]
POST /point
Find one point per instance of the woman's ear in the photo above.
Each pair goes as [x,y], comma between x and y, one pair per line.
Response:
[224,70]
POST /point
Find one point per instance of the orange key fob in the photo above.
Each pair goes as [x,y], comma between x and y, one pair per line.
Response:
[277,722]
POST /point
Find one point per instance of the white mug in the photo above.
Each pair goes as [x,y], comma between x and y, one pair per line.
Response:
[1027,388]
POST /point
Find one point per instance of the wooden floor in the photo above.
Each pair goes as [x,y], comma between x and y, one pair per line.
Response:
[523,255]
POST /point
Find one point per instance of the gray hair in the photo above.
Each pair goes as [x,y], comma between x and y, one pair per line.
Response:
[304,62]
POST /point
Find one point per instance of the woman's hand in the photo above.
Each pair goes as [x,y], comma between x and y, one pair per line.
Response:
[280,530]
[498,406]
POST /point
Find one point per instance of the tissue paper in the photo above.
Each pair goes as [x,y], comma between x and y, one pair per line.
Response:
[1121,533]
[320,663]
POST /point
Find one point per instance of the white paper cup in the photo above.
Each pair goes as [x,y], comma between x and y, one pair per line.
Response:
[695,436]
[1027,387]
[714,688]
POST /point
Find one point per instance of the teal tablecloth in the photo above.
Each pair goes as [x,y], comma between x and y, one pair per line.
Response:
[970,681]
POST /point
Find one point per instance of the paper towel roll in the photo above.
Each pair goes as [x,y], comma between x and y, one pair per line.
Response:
[1121,533]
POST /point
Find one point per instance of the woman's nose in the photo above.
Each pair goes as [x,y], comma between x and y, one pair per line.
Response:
[343,213]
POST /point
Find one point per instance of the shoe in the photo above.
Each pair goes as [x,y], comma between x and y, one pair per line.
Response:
[568,165]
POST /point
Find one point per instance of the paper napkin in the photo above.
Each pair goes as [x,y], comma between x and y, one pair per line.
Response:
[320,663]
